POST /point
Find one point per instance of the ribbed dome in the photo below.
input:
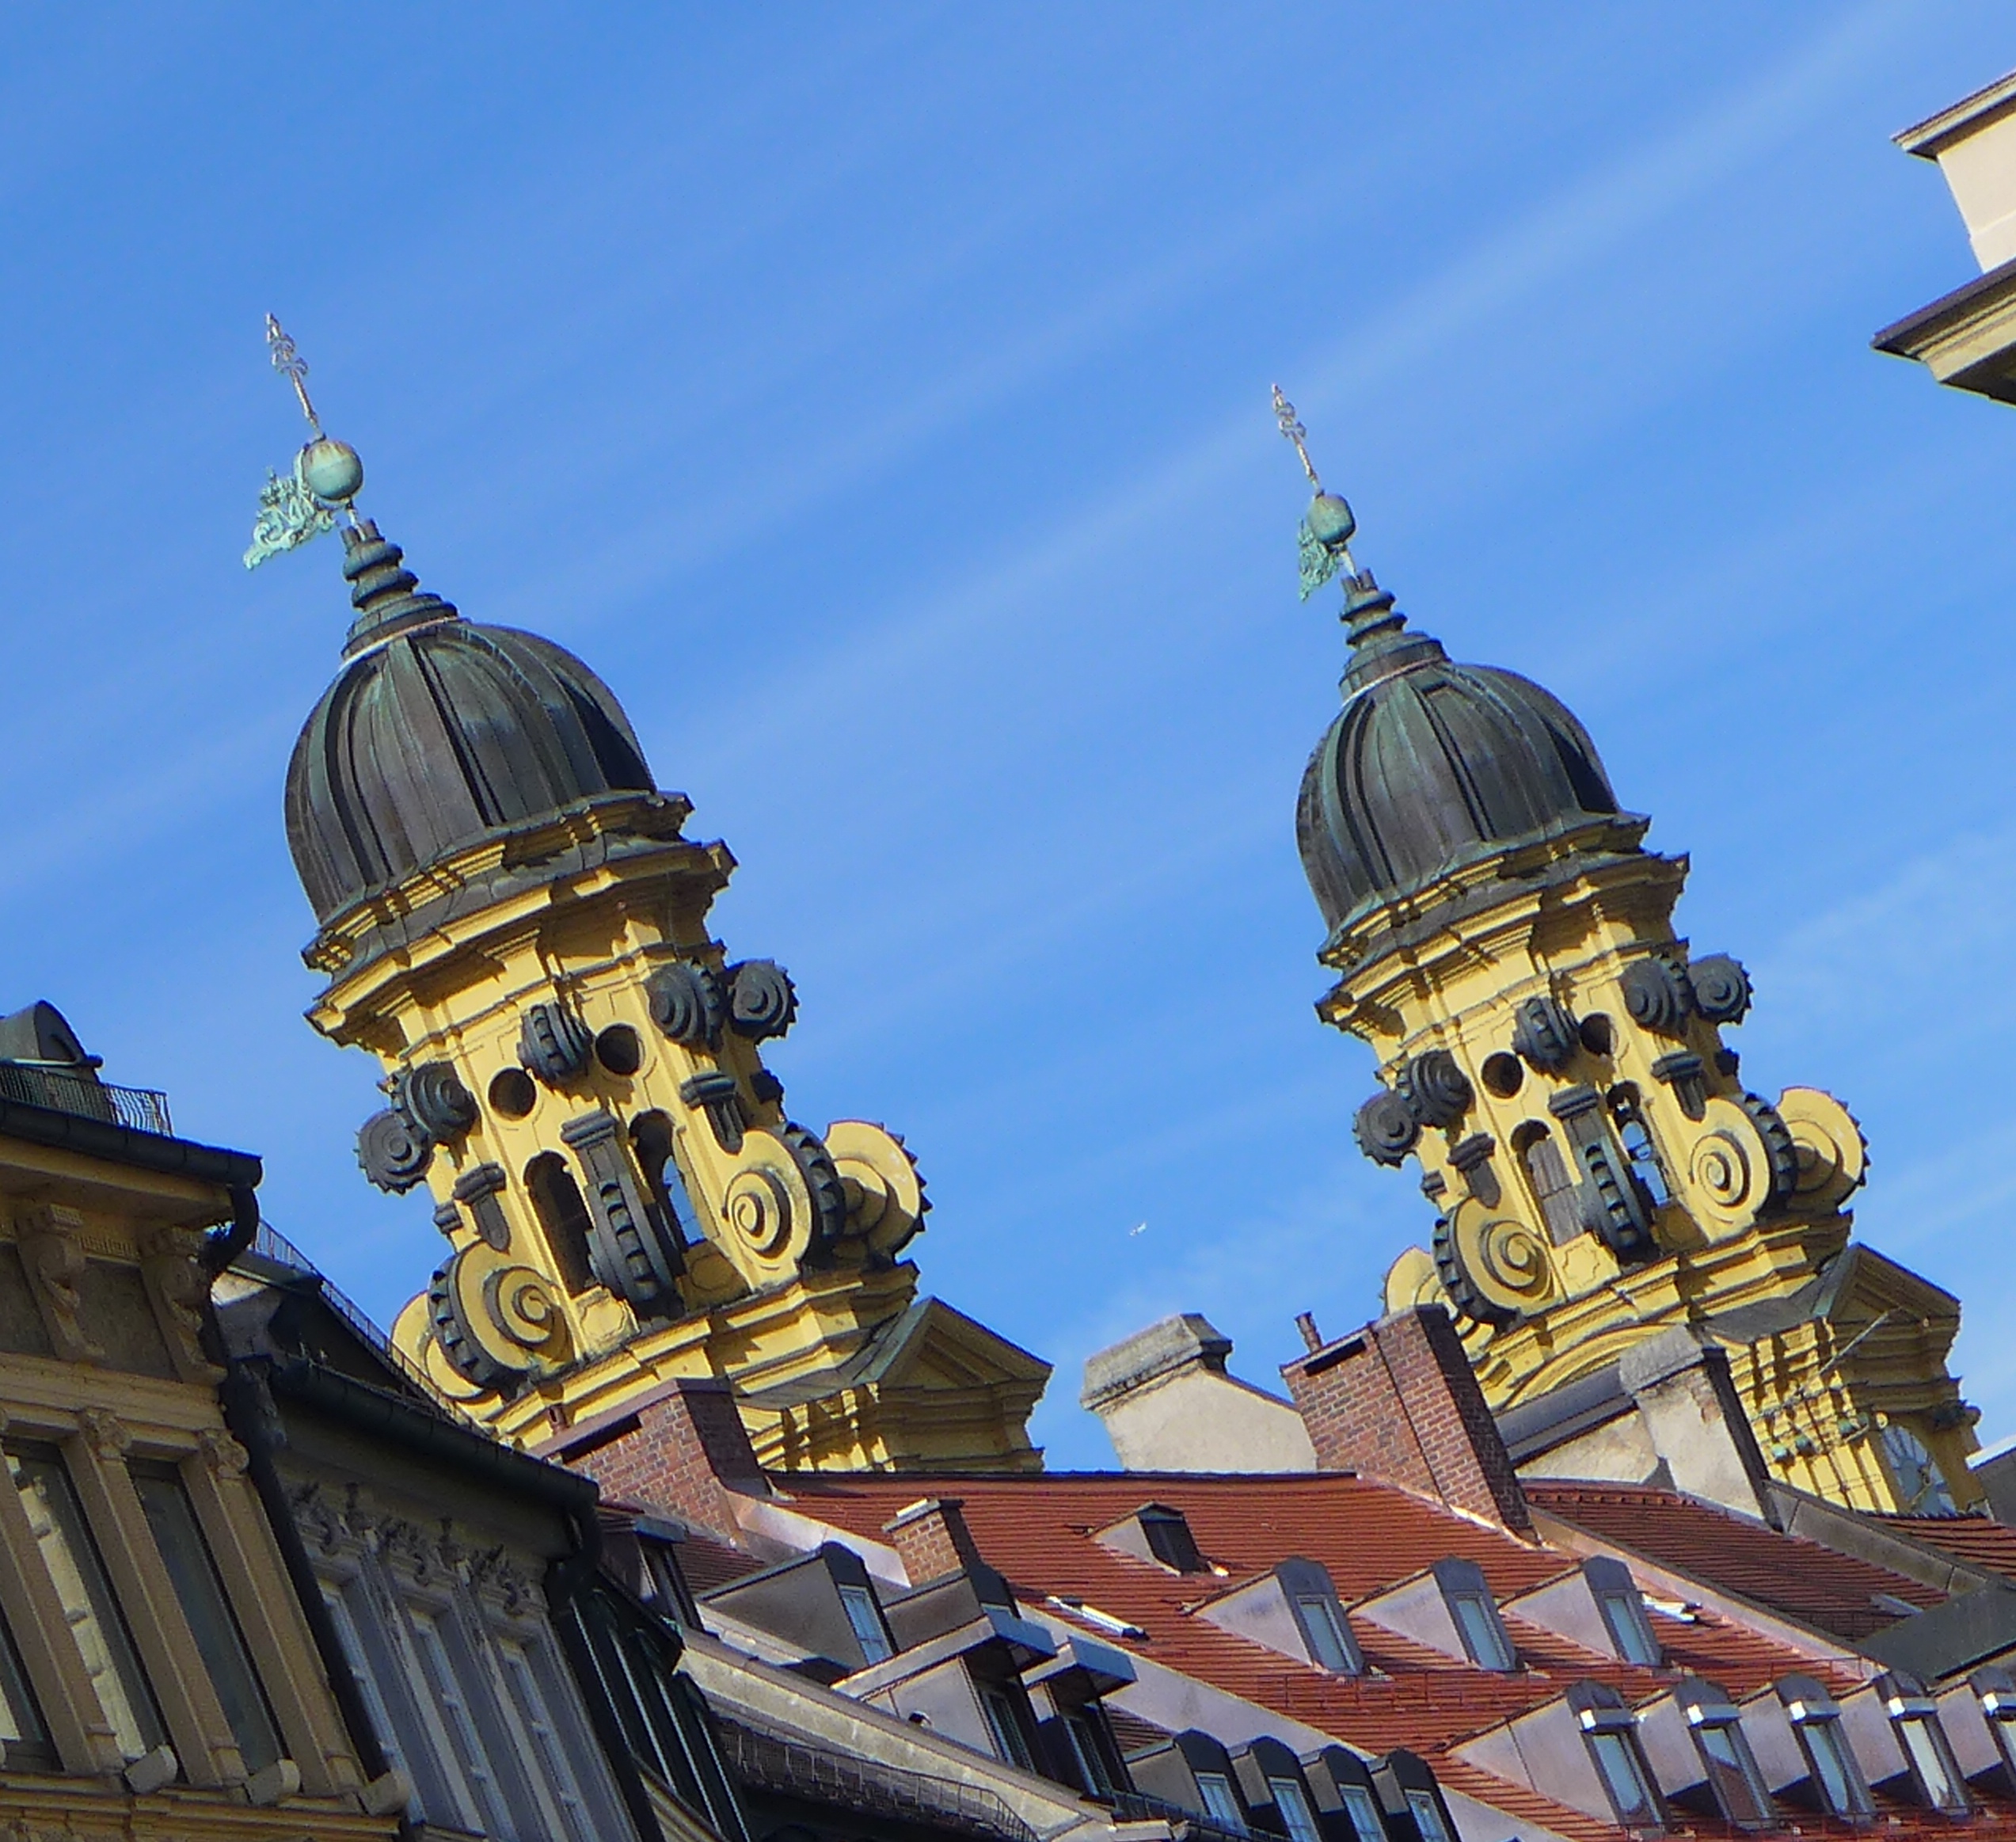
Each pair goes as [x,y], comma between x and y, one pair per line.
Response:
[1430,763]
[438,733]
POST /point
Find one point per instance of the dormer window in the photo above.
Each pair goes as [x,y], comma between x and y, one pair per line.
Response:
[1329,1639]
[1836,1778]
[1467,1594]
[1914,1719]
[1004,1723]
[866,1616]
[1221,1802]
[1292,1801]
[1343,1783]
[1324,1629]
[1624,1615]
[1739,1786]
[1155,1532]
[1997,1690]
[1610,1730]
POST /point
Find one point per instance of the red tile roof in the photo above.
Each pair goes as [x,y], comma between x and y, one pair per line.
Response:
[1798,1579]
[1037,1531]
[1978,1541]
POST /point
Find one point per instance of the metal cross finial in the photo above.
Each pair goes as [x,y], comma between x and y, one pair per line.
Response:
[294,368]
[1283,413]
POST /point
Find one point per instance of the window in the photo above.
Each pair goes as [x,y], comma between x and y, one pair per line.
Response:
[1168,1538]
[78,1572]
[1362,1809]
[1468,1596]
[1739,1786]
[556,1768]
[1004,1723]
[192,1571]
[863,1614]
[563,1218]
[1997,1689]
[1427,1814]
[1221,1802]
[1610,1731]
[1836,1778]
[448,1694]
[1624,1615]
[1330,1644]
[1553,1189]
[1297,1818]
[26,1747]
[351,1643]
[1916,1721]
[1087,1755]
[1638,1147]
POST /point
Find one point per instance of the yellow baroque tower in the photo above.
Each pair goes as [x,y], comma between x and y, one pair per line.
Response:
[512,919]
[1551,1056]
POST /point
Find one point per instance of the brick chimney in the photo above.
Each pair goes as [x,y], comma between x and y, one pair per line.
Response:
[932,1540]
[1397,1400]
[681,1449]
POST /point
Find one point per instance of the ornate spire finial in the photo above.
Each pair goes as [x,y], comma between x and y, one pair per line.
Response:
[326,476]
[294,368]
[1283,413]
[1327,526]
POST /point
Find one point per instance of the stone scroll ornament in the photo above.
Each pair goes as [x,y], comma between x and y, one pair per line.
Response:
[1494,1269]
[885,1203]
[393,1151]
[554,1045]
[763,1002]
[1829,1151]
[1543,1033]
[1436,1089]
[1745,1160]
[1721,988]
[687,1003]
[432,1095]
[783,1206]
[1657,995]
[1385,1129]
[430,1106]
[495,1319]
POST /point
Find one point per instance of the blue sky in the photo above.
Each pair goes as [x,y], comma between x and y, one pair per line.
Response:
[877,398]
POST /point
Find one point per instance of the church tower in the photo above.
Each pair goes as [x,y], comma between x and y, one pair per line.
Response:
[1552,1059]
[511,917]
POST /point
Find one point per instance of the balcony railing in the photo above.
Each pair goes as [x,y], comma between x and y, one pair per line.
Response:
[32,1085]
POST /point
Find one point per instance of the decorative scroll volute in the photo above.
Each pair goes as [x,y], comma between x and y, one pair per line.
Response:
[52,1253]
[885,1195]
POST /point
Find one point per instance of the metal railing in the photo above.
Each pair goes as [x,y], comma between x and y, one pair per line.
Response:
[766,1761]
[87,1098]
[1134,1806]
[274,1246]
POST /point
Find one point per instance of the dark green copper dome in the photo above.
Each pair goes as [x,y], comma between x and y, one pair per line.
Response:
[437,734]
[1430,764]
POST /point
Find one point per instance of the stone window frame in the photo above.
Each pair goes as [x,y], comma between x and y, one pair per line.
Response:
[391,1569]
[96,1444]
